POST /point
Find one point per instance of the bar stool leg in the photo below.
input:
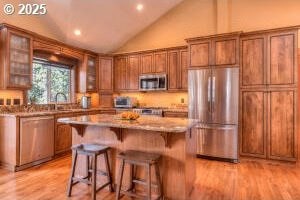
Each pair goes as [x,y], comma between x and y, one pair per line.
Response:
[131,176]
[94,176]
[111,189]
[88,167]
[148,170]
[159,184]
[74,161]
[120,177]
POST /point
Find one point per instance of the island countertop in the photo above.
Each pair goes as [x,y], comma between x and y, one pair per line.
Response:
[150,123]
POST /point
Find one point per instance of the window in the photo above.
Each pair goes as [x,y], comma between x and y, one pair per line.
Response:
[48,79]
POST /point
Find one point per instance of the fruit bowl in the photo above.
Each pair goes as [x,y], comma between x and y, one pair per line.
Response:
[129,115]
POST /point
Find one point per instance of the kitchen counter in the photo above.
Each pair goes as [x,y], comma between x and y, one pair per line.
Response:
[51,112]
[173,138]
[161,124]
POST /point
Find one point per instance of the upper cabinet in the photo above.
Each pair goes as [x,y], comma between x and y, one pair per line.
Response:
[146,63]
[120,65]
[87,74]
[216,50]
[16,60]
[253,60]
[132,72]
[269,58]
[126,72]
[226,51]
[177,69]
[200,53]
[160,62]
[105,74]
[283,53]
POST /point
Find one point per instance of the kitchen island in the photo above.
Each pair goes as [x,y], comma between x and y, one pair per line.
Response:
[173,138]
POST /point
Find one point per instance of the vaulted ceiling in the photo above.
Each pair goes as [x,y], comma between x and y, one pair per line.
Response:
[105,24]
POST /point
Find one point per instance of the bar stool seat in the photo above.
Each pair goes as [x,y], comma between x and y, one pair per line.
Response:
[144,159]
[90,148]
[91,151]
[139,156]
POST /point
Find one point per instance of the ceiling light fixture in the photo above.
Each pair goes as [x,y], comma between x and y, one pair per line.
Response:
[77,32]
[140,7]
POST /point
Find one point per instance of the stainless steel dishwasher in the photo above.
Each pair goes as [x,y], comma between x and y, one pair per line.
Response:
[36,139]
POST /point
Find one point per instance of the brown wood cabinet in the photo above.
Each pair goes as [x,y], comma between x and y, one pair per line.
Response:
[253,60]
[200,53]
[120,65]
[160,62]
[15,59]
[181,114]
[63,138]
[88,74]
[106,100]
[216,50]
[146,63]
[253,124]
[282,127]
[226,51]
[269,94]
[283,53]
[177,69]
[105,74]
[132,72]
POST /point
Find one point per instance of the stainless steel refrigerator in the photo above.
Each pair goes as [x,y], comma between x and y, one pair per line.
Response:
[213,100]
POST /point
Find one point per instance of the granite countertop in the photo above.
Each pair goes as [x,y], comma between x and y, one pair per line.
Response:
[150,123]
[51,112]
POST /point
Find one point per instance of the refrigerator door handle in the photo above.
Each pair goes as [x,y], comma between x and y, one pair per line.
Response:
[208,89]
[213,88]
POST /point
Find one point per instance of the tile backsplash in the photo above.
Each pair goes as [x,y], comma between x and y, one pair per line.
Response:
[160,99]
[8,97]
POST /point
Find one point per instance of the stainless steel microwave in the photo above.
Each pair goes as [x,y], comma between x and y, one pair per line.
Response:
[125,102]
[153,82]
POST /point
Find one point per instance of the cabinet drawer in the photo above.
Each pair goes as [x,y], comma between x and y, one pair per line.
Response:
[175,114]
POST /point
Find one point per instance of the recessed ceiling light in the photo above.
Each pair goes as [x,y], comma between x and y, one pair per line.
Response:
[140,7]
[77,32]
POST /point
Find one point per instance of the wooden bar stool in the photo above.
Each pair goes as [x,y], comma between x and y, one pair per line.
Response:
[134,159]
[91,151]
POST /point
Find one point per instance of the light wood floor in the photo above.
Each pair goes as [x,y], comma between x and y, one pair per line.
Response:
[215,180]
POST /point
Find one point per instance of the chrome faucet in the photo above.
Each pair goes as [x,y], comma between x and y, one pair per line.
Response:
[56,99]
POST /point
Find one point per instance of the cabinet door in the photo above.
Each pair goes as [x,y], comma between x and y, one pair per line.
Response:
[160,62]
[91,74]
[146,63]
[105,74]
[63,138]
[176,114]
[253,63]
[282,132]
[133,72]
[120,73]
[253,123]
[226,51]
[173,67]
[19,71]
[199,54]
[183,70]
[106,100]
[283,57]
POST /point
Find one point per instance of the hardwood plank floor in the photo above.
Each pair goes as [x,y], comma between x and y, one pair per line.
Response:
[215,180]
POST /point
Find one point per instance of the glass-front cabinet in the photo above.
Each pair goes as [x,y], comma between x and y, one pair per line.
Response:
[16,60]
[19,60]
[91,74]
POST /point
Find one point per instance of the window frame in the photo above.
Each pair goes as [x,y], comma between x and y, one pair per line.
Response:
[49,65]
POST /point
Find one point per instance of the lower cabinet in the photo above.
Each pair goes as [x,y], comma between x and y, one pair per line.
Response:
[268,124]
[175,114]
[63,138]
